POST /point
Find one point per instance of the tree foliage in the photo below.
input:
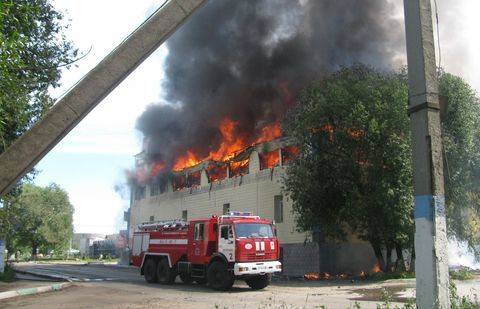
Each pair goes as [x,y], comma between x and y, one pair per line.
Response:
[461,141]
[40,218]
[354,174]
[33,49]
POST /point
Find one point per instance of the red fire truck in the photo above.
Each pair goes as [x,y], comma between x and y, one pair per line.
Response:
[216,251]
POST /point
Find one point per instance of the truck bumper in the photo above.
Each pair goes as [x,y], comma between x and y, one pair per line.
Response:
[256,268]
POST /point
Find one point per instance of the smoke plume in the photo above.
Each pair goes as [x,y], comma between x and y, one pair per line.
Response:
[246,60]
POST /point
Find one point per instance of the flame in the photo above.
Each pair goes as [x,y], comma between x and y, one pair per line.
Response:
[269,132]
[269,159]
[215,172]
[232,142]
[312,276]
[289,153]
[187,160]
[327,276]
[362,275]
[239,167]
[376,269]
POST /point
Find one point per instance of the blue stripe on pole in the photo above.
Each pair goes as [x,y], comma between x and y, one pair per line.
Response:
[427,205]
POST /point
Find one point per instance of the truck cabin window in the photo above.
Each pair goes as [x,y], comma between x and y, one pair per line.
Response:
[199,231]
[251,230]
[226,232]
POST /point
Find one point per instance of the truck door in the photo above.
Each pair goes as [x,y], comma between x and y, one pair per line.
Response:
[198,248]
[226,242]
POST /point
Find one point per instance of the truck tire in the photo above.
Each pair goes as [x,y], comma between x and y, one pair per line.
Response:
[258,282]
[165,274]
[150,270]
[219,277]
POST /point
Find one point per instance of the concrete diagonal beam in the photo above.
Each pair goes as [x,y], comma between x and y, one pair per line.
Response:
[32,146]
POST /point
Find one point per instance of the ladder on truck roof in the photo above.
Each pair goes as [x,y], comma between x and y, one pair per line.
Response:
[171,225]
[237,214]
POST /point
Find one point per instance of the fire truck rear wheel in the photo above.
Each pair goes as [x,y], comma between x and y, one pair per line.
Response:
[165,274]
[150,271]
[219,277]
[258,282]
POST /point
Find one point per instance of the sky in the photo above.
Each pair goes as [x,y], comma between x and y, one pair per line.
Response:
[90,162]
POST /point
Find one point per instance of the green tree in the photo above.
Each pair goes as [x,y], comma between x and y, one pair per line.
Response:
[461,140]
[354,174]
[33,49]
[43,219]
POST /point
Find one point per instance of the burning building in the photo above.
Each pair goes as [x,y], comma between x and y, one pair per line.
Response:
[249,180]
[232,72]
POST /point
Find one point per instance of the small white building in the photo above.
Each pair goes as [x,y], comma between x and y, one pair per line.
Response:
[83,241]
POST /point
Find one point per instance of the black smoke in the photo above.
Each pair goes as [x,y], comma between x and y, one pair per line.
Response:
[243,58]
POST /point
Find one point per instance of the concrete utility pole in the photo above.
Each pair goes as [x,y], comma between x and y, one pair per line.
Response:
[431,263]
[32,146]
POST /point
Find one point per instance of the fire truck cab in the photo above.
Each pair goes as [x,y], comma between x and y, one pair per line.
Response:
[216,251]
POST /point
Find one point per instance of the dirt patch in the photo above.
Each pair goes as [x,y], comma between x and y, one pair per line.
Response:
[392,293]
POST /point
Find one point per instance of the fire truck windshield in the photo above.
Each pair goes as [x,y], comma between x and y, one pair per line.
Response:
[250,230]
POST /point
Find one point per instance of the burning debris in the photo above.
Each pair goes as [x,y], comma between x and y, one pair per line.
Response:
[314,276]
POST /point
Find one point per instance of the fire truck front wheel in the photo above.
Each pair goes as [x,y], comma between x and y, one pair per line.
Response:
[150,270]
[258,282]
[219,277]
[165,274]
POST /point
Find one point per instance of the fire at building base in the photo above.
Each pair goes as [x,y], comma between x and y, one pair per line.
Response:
[250,181]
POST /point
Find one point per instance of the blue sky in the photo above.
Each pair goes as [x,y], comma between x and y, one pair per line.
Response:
[91,160]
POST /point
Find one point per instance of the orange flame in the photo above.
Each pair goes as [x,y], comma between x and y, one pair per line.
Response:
[238,168]
[232,142]
[216,173]
[289,153]
[376,269]
[187,160]
[269,132]
[269,159]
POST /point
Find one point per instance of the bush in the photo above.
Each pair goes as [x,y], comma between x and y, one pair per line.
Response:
[462,274]
[8,275]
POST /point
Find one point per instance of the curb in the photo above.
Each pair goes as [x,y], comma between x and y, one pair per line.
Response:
[112,265]
[51,277]
[32,291]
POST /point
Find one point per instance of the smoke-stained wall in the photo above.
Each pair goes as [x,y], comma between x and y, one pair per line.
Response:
[246,60]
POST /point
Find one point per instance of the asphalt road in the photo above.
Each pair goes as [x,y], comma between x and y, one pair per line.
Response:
[84,272]
[99,286]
